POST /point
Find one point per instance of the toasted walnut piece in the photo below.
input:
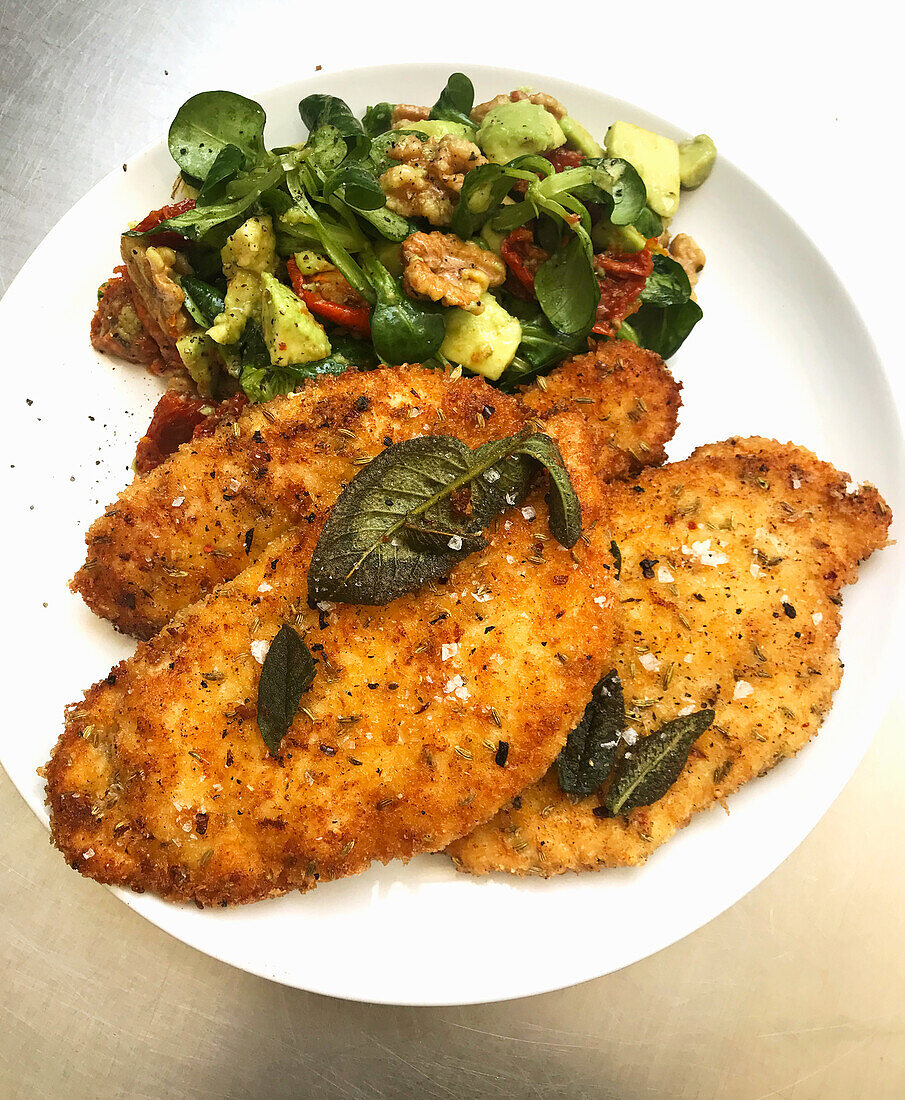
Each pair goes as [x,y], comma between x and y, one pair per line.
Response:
[446,269]
[686,251]
[151,271]
[542,98]
[429,175]
[408,111]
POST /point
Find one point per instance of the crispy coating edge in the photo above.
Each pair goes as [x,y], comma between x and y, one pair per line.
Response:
[788,666]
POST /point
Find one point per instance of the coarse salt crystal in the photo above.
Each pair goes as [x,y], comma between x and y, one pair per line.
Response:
[630,735]
[491,475]
[664,576]
[688,658]
[325,605]
[796,483]
[817,618]
[259,648]
[88,853]
[510,559]
[511,498]
[453,684]
[742,689]
[447,651]
[265,587]
[649,661]
[689,708]
[601,601]
[455,543]
[177,501]
[755,569]
[481,597]
[528,512]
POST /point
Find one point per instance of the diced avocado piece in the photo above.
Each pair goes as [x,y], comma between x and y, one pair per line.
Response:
[617,238]
[514,129]
[252,247]
[696,159]
[580,138]
[484,342]
[242,300]
[491,238]
[310,263]
[201,359]
[656,160]
[439,128]
[292,335]
[390,255]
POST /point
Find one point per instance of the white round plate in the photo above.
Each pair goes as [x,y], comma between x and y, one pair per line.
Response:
[781,352]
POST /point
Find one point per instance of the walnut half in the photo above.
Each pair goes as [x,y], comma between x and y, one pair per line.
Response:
[429,176]
[446,269]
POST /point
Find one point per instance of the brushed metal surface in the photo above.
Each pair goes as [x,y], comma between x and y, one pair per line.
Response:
[796,992]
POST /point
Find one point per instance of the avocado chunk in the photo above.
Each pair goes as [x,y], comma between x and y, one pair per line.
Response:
[580,138]
[439,128]
[514,129]
[696,160]
[199,356]
[617,238]
[656,160]
[253,247]
[290,332]
[484,342]
[241,302]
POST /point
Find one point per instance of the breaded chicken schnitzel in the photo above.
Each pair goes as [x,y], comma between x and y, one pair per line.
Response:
[727,570]
[425,717]
[212,508]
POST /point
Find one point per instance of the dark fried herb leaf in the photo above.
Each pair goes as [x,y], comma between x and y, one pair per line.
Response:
[647,771]
[400,522]
[617,559]
[562,500]
[288,672]
[209,121]
[588,755]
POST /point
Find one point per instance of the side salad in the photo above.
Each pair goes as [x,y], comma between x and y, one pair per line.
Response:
[495,238]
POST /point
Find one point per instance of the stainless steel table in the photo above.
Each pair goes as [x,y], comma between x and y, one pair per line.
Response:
[796,992]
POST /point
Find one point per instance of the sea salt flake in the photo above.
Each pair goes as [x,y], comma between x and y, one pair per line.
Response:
[601,601]
[755,569]
[491,475]
[325,605]
[817,618]
[177,501]
[664,576]
[447,651]
[88,853]
[796,483]
[630,735]
[265,587]
[742,689]
[649,661]
[689,708]
[528,512]
[259,648]
[455,543]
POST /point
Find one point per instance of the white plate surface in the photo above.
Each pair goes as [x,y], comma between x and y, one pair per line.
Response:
[781,352]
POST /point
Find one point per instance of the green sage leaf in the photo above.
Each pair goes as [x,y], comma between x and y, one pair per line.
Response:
[651,766]
[587,758]
[288,672]
[562,500]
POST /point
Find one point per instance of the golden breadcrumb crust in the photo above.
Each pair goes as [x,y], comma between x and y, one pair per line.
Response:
[212,508]
[745,547]
[161,780]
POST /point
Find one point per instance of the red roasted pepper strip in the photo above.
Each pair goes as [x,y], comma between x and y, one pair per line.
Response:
[350,314]
[167,239]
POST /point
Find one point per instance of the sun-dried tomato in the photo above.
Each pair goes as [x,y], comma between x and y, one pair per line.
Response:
[523,257]
[168,238]
[622,276]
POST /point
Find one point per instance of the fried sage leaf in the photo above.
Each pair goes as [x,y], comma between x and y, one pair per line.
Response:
[654,763]
[588,755]
[562,500]
[288,672]
[417,509]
